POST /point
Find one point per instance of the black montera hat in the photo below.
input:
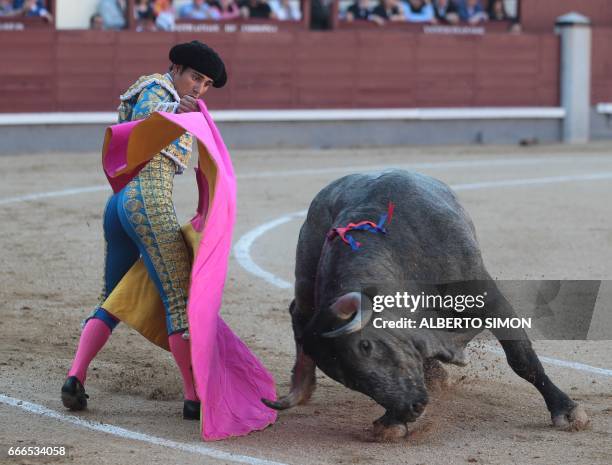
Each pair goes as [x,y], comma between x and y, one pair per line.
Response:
[202,58]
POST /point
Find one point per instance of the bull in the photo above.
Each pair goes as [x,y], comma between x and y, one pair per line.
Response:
[430,246]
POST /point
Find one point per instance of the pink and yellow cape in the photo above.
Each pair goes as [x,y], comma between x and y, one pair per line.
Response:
[230,380]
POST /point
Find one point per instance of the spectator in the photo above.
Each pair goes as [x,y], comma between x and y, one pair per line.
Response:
[419,11]
[497,11]
[18,4]
[113,13]
[6,9]
[359,11]
[198,9]
[144,15]
[286,10]
[164,15]
[446,11]
[472,12]
[228,9]
[96,22]
[256,9]
[387,10]
[143,10]
[33,8]
[320,14]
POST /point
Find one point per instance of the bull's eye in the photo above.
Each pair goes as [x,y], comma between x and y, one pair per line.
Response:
[365,346]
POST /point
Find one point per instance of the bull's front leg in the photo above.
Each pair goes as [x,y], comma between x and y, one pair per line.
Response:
[565,413]
[303,381]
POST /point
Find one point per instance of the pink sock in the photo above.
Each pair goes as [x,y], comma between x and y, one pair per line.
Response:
[182,356]
[94,336]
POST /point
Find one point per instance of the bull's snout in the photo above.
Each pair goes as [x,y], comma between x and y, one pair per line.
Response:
[413,409]
[418,407]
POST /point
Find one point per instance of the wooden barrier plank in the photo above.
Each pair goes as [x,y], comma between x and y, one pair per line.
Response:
[86,37]
[242,96]
[540,15]
[25,82]
[98,55]
[602,66]
[299,69]
[128,38]
[42,69]
[97,81]
[324,71]
[44,37]
[25,52]
[397,98]
[441,68]
[41,105]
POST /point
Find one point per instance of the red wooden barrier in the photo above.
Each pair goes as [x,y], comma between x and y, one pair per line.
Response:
[540,15]
[602,65]
[87,70]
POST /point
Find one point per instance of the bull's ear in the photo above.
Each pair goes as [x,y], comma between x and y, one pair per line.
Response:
[441,345]
[347,305]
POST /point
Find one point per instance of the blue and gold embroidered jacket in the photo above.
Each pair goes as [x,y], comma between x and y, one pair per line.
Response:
[151,93]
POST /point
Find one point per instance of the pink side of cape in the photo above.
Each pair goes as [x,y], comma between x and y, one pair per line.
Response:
[230,380]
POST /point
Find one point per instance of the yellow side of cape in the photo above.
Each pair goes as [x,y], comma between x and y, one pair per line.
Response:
[136,301]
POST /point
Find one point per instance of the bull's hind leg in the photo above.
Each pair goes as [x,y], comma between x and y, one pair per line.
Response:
[303,381]
[565,413]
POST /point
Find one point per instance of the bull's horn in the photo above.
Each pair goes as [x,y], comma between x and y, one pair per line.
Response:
[347,305]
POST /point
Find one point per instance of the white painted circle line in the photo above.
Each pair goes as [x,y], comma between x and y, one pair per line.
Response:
[532,181]
[449,164]
[134,435]
[242,249]
[474,163]
[47,195]
[562,363]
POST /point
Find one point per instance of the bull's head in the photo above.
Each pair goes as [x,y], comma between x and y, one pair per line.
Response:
[384,364]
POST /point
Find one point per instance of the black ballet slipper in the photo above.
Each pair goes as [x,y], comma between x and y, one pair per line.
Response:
[191,410]
[73,394]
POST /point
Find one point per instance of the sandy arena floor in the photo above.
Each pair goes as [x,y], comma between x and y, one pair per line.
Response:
[558,225]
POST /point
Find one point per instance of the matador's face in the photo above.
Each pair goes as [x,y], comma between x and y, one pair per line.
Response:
[188,81]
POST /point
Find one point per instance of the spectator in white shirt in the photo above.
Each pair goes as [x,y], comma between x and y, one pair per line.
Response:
[113,13]
[419,11]
[286,10]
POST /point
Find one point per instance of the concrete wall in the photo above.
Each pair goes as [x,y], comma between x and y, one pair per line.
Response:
[601,126]
[88,138]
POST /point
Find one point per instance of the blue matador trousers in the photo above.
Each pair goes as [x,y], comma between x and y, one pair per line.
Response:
[140,220]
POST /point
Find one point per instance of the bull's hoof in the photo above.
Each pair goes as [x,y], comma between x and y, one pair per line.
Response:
[575,419]
[394,432]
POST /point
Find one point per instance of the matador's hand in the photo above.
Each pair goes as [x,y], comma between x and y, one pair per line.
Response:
[187,104]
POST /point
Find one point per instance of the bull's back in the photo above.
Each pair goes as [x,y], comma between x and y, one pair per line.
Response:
[429,232]
[416,198]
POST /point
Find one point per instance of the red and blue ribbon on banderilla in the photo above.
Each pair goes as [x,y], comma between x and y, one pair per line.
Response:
[362,226]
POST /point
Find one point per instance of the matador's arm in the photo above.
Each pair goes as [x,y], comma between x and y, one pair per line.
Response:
[156,98]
